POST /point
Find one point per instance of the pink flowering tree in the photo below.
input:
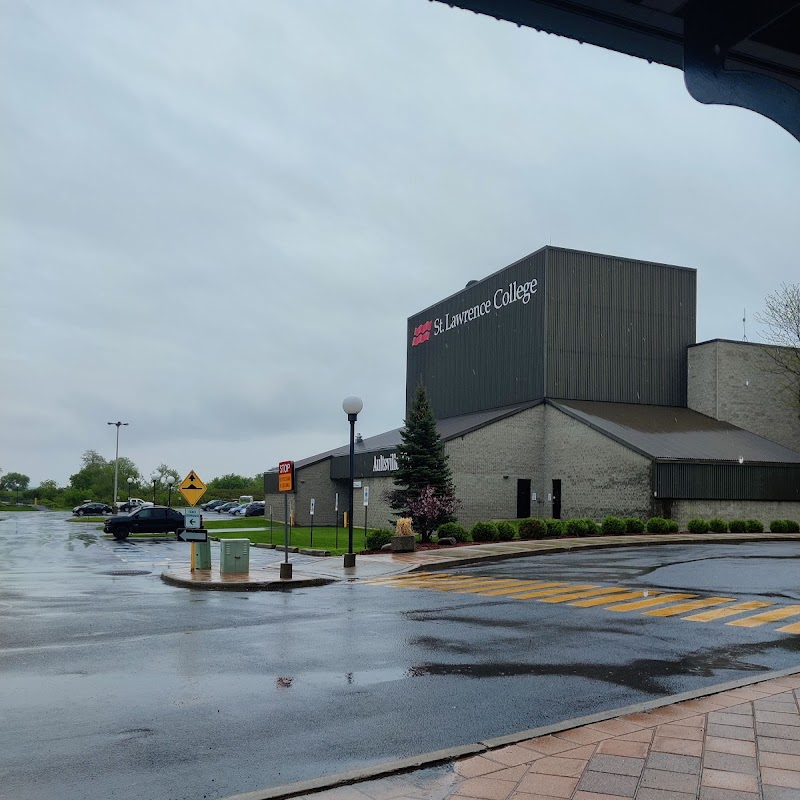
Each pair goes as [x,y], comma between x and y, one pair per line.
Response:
[430,509]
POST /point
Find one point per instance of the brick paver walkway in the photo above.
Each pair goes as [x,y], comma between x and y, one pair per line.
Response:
[741,744]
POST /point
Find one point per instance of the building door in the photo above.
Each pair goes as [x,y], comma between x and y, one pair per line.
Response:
[523,499]
[556,499]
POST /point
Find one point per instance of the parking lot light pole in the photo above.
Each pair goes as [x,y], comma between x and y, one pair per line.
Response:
[170,481]
[352,406]
[116,461]
[130,484]
[154,478]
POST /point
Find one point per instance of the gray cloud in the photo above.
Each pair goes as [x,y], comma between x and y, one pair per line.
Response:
[215,218]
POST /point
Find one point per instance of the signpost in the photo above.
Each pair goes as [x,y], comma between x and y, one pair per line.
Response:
[312,522]
[366,506]
[192,488]
[336,511]
[286,485]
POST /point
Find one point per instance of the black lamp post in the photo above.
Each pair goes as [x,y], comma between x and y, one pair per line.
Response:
[154,478]
[351,405]
[130,484]
[170,481]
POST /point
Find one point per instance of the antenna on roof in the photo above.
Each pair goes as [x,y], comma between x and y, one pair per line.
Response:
[744,325]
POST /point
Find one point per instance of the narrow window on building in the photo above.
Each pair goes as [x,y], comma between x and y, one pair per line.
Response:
[556,499]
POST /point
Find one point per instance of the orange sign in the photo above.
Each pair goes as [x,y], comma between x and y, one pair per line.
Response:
[286,476]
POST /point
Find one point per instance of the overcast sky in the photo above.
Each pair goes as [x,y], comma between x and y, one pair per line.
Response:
[215,217]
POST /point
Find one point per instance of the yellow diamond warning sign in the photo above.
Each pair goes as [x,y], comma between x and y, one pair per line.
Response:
[192,488]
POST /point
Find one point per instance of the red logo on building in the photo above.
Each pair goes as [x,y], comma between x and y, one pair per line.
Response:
[422,333]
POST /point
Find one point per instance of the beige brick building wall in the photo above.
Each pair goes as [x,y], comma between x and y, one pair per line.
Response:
[737,382]
[487,463]
[764,510]
[598,475]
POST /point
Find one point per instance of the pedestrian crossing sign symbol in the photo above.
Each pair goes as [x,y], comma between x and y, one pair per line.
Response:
[192,488]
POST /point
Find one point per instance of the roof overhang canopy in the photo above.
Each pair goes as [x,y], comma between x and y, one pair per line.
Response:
[733,52]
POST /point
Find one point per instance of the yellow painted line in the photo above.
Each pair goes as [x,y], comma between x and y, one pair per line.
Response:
[793,628]
[547,592]
[562,598]
[728,611]
[649,602]
[500,586]
[693,605]
[520,586]
[766,616]
[602,601]
[458,586]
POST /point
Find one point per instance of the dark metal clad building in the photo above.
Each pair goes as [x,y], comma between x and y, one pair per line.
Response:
[558,323]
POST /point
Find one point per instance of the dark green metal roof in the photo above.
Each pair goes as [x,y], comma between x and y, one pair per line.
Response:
[672,433]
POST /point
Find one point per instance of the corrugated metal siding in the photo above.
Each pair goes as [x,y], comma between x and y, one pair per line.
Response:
[617,329]
[682,481]
[495,360]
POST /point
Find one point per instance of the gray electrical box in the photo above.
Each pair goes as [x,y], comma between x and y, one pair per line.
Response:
[234,556]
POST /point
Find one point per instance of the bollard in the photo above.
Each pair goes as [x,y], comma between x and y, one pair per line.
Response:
[203,555]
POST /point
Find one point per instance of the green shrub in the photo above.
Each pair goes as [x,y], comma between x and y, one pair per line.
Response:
[377,539]
[484,532]
[672,526]
[698,526]
[592,528]
[454,531]
[576,527]
[657,525]
[755,526]
[737,526]
[634,525]
[718,525]
[778,526]
[533,529]
[505,531]
[792,526]
[613,526]
[555,527]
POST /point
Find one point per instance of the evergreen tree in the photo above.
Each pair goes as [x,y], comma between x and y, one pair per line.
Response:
[421,459]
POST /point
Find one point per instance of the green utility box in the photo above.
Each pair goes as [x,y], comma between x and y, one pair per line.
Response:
[202,559]
[234,556]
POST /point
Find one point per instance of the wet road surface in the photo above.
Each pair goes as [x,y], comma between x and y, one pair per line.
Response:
[116,685]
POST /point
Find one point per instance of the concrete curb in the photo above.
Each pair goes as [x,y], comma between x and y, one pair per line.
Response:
[271,585]
[438,757]
[640,540]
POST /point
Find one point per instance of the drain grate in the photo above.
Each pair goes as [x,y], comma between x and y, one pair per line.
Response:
[126,572]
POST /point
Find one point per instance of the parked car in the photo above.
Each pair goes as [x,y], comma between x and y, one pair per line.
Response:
[239,510]
[226,507]
[150,519]
[211,505]
[91,509]
[255,509]
[132,504]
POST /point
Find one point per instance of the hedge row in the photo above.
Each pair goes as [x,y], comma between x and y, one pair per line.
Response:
[742,526]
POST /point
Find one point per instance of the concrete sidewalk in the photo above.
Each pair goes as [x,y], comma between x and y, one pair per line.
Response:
[310,571]
[738,741]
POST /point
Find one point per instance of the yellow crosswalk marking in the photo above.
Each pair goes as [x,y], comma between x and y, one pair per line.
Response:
[546,592]
[793,628]
[766,616]
[562,598]
[693,605]
[728,611]
[458,586]
[519,586]
[603,601]
[649,602]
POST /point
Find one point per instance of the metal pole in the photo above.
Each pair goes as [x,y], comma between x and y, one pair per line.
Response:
[312,531]
[286,527]
[154,492]
[169,497]
[366,508]
[116,467]
[350,558]
[270,524]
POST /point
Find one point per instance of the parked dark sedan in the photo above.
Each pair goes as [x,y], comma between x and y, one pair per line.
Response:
[153,519]
[226,507]
[91,510]
[255,509]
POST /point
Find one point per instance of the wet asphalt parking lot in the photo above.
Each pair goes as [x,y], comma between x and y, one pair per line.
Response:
[115,685]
